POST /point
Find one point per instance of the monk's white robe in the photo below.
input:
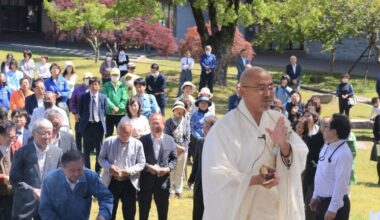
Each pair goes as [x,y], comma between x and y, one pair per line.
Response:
[231,155]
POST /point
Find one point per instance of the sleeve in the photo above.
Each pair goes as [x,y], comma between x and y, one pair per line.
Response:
[13,101]
[102,69]
[213,62]
[46,209]
[103,155]
[123,99]
[17,172]
[370,116]
[338,92]
[350,91]
[140,160]
[203,62]
[104,197]
[191,64]
[74,102]
[65,90]
[163,85]
[167,129]
[187,134]
[173,155]
[342,179]
[376,132]
[110,104]
[153,103]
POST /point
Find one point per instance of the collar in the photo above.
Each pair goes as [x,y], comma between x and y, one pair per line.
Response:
[126,143]
[158,139]
[4,149]
[38,150]
[96,94]
[335,144]
[71,183]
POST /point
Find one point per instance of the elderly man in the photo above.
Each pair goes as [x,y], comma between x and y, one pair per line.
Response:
[161,158]
[293,70]
[7,139]
[61,139]
[74,106]
[122,158]
[67,191]
[208,64]
[49,103]
[30,165]
[241,149]
[37,99]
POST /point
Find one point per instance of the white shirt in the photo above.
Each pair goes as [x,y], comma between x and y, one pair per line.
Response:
[43,70]
[294,68]
[39,113]
[41,156]
[187,63]
[71,184]
[4,149]
[157,145]
[55,142]
[374,112]
[20,137]
[332,179]
[140,125]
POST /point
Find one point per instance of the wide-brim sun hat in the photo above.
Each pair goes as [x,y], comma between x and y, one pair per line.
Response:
[68,63]
[205,92]
[178,105]
[87,75]
[188,83]
[203,99]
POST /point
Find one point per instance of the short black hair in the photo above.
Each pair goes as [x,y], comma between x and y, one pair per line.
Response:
[94,80]
[20,112]
[155,66]
[70,156]
[374,100]
[22,79]
[341,124]
[13,62]
[27,52]
[35,81]
[55,65]
[5,125]
[139,81]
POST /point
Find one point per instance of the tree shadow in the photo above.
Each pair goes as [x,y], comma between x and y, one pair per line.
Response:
[368,184]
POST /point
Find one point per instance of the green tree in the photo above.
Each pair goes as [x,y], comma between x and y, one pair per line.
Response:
[223,16]
[93,19]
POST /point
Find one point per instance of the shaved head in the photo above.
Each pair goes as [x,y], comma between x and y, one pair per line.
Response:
[252,73]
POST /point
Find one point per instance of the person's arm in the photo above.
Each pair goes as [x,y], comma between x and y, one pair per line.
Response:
[140,160]
[338,91]
[46,209]
[197,157]
[123,99]
[342,179]
[103,156]
[187,134]
[376,130]
[64,90]
[172,156]
[153,103]
[350,91]
[105,91]
[203,61]
[74,102]
[13,100]
[161,89]
[104,197]
[103,69]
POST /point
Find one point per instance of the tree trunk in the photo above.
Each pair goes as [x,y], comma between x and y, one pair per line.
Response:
[367,66]
[332,60]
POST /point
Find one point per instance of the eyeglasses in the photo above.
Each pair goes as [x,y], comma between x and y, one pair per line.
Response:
[261,88]
[45,134]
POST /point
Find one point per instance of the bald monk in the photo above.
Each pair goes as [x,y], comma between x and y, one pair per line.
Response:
[239,144]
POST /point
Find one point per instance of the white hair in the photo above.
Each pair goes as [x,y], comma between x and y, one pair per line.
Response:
[41,123]
[53,113]
[123,123]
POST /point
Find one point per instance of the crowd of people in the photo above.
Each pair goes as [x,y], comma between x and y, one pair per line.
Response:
[45,166]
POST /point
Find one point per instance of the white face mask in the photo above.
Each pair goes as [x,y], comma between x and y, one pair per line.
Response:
[108,58]
[87,82]
[115,78]
[122,53]
[208,53]
[130,83]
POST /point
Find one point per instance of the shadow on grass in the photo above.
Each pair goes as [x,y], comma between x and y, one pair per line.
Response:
[366,184]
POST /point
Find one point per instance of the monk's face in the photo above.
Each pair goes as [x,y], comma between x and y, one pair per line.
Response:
[257,91]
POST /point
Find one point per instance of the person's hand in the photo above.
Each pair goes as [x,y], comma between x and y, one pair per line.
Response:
[329,215]
[115,109]
[114,170]
[36,193]
[99,217]
[58,95]
[294,82]
[125,173]
[6,179]
[153,169]
[279,136]
[273,182]
[163,171]
[344,96]
[313,204]
[76,117]
[180,149]
[295,109]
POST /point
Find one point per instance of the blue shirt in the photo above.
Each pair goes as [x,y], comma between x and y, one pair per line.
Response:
[209,61]
[148,104]
[196,123]
[59,202]
[13,79]
[283,94]
[59,86]
[5,97]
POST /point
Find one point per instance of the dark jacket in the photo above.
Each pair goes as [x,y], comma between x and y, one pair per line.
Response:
[30,104]
[84,110]
[167,158]
[293,75]
[158,85]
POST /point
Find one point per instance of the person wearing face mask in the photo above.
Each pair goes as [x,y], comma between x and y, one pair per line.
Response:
[50,100]
[156,85]
[122,61]
[282,91]
[117,97]
[208,64]
[105,68]
[128,81]
[344,91]
[74,106]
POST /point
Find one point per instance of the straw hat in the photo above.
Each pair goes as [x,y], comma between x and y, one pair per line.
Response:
[205,92]
[188,83]
[87,75]
[115,71]
[178,105]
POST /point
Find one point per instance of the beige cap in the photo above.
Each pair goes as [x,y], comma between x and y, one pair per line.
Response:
[115,71]
[87,75]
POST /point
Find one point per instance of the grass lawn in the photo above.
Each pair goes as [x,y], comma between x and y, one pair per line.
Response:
[365,196]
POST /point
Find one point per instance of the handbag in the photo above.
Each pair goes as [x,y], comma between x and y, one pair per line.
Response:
[352,101]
